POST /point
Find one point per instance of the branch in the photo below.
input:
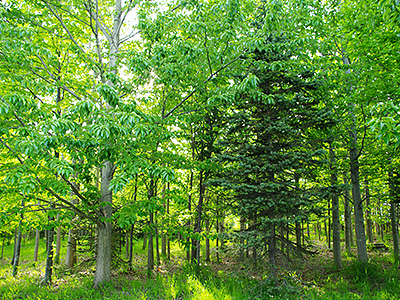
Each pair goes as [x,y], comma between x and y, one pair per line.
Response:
[365,133]
[68,32]
[69,204]
[12,151]
[205,81]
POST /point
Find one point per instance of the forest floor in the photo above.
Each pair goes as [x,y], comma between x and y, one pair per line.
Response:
[307,277]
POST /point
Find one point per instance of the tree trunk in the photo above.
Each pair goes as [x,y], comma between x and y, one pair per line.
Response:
[241,246]
[298,234]
[207,258]
[393,219]
[58,243]
[272,245]
[130,247]
[2,246]
[197,227]
[144,241]
[150,249]
[356,193]
[329,225]
[157,240]
[17,250]
[37,240]
[337,257]
[17,246]
[190,209]
[104,228]
[347,219]
[368,213]
[49,259]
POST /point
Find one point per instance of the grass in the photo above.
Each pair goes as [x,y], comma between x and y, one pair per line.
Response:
[309,278]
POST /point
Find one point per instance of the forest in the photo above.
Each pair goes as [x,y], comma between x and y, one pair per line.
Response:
[199,149]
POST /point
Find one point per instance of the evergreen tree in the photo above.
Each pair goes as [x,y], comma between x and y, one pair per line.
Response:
[270,151]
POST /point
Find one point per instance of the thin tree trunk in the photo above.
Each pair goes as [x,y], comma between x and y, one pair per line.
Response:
[188,252]
[272,245]
[164,235]
[241,246]
[37,240]
[197,228]
[130,247]
[298,234]
[17,247]
[49,259]
[2,245]
[207,258]
[150,249]
[393,219]
[58,243]
[337,256]
[368,213]
[144,241]
[157,240]
[347,220]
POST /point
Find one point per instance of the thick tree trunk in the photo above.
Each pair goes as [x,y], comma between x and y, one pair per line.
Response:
[337,257]
[356,193]
[104,228]
[17,250]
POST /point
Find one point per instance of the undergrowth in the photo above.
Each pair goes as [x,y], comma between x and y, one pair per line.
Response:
[306,278]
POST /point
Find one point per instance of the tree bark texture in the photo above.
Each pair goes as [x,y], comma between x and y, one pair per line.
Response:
[356,192]
[337,256]
[368,212]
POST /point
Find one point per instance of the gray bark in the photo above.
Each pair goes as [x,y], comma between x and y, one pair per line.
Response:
[347,220]
[272,245]
[356,192]
[104,228]
[17,250]
[337,256]
[368,212]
